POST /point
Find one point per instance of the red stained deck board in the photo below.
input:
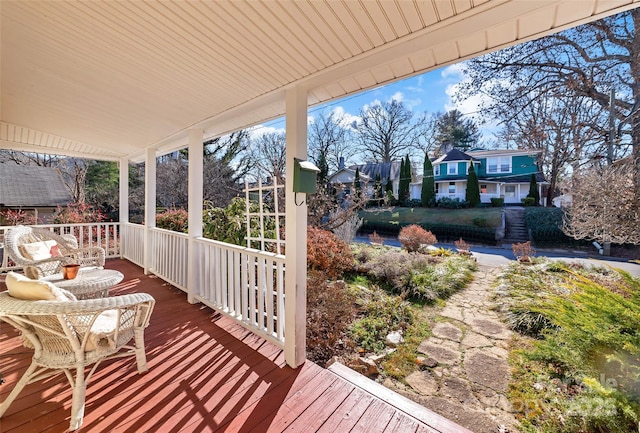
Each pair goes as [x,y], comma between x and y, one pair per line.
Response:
[206,374]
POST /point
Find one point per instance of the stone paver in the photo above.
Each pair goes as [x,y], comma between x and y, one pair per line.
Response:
[465,373]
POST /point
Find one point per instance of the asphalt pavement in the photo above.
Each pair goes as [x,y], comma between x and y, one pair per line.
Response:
[496,256]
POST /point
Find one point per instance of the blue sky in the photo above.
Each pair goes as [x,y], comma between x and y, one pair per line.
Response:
[431,92]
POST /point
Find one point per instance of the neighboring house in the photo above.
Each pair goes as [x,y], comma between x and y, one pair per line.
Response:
[501,173]
[343,179]
[36,190]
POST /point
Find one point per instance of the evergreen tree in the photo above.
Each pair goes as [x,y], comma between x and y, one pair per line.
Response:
[533,189]
[356,184]
[473,188]
[405,179]
[388,189]
[428,193]
[377,186]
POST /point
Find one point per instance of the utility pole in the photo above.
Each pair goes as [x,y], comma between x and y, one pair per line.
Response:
[612,127]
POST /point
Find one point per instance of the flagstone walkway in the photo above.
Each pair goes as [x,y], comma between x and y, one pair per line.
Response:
[465,372]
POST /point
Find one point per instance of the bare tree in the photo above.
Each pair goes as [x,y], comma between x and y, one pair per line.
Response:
[586,62]
[603,207]
[329,140]
[387,131]
[561,128]
[269,153]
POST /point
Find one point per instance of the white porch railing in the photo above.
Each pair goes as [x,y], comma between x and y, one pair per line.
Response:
[132,243]
[244,284]
[169,253]
[106,235]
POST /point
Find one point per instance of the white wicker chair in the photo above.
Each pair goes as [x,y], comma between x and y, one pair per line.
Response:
[16,237]
[63,339]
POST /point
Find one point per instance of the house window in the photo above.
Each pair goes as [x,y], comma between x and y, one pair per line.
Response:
[436,170]
[510,191]
[437,188]
[452,187]
[500,164]
[452,169]
[483,188]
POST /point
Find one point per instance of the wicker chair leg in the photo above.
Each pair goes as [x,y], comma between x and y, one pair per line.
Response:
[141,356]
[77,404]
[24,380]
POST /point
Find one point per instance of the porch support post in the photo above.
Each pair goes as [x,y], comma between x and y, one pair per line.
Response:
[296,233]
[123,205]
[149,205]
[196,193]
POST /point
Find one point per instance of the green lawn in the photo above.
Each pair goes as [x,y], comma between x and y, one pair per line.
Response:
[418,215]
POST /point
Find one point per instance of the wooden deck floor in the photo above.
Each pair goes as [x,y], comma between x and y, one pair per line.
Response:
[206,374]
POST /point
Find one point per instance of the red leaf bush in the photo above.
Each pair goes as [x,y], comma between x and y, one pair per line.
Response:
[412,237]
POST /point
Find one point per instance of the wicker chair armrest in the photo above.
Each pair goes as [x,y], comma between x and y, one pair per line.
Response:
[93,254]
[13,306]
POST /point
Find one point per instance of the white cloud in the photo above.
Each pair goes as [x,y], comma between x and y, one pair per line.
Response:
[347,118]
[260,130]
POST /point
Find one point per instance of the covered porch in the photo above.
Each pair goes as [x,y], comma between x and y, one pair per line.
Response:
[131,81]
[207,373]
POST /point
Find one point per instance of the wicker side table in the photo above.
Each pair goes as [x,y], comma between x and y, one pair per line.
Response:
[90,282]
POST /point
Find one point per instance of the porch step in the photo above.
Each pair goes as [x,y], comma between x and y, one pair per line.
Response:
[422,415]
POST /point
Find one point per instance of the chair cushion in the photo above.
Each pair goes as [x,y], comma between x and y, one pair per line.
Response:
[21,287]
[102,333]
[40,250]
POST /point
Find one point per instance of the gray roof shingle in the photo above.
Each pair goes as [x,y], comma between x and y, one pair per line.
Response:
[32,186]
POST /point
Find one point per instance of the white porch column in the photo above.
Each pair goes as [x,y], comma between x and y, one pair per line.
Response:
[296,234]
[124,191]
[196,193]
[123,205]
[149,205]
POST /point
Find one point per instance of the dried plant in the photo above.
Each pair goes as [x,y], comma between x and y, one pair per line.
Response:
[523,251]
[349,227]
[376,239]
[462,246]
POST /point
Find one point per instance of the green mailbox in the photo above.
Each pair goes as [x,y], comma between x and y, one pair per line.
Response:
[304,176]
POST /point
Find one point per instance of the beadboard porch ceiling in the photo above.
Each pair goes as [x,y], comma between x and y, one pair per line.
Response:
[108,79]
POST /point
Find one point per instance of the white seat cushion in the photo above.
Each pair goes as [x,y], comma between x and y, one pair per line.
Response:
[21,287]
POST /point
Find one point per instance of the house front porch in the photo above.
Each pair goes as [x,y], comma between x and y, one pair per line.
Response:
[206,373]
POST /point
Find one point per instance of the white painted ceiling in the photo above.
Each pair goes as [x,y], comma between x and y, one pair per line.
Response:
[108,79]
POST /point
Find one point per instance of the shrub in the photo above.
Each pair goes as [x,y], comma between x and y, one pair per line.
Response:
[497,202]
[529,201]
[412,237]
[585,362]
[523,251]
[328,254]
[461,245]
[376,239]
[230,224]
[380,314]
[16,217]
[173,219]
[330,310]
[78,213]
[452,203]
[348,229]
[424,278]
[545,225]
[479,222]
